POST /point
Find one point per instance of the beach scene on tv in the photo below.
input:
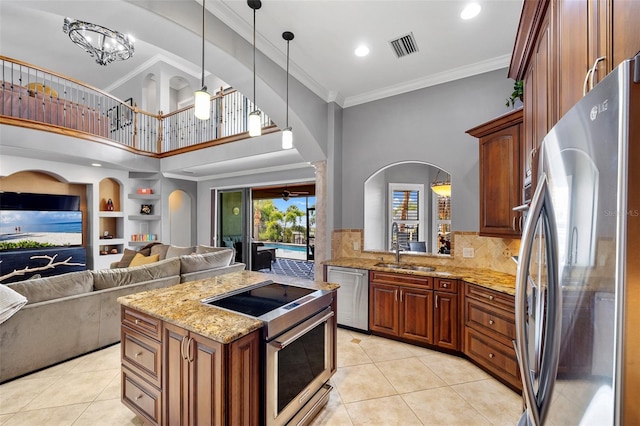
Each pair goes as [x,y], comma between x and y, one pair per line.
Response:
[54,228]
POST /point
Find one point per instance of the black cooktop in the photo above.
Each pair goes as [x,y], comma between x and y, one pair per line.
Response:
[261,300]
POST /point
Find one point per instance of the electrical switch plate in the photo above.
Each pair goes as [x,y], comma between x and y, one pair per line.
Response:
[356,245]
[468,252]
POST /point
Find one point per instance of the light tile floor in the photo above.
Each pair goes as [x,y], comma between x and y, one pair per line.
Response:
[378,382]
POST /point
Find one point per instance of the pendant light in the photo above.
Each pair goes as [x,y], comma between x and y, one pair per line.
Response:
[255,121]
[202,104]
[287,134]
[442,188]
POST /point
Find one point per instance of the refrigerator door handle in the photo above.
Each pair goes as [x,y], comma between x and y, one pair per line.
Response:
[522,273]
[547,331]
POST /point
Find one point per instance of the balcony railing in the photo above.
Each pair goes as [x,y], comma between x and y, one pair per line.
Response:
[34,97]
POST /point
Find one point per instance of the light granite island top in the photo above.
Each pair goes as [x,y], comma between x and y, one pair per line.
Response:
[498,281]
[181,305]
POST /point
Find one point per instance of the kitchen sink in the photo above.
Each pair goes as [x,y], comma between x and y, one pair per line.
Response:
[406,266]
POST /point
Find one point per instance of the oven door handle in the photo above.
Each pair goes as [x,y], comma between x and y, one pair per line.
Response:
[282,345]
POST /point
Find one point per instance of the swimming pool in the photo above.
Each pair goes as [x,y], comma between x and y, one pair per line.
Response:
[292,247]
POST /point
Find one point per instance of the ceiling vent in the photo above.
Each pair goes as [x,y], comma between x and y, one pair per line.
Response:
[404,45]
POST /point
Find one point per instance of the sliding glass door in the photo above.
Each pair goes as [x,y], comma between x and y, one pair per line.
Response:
[234,216]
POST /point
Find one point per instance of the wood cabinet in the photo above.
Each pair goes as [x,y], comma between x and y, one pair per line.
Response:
[193,388]
[489,319]
[404,306]
[141,383]
[171,376]
[557,44]
[501,174]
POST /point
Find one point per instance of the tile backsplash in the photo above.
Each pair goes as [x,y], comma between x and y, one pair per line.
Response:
[488,252]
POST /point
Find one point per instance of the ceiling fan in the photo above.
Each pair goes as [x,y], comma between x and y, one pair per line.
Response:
[286,194]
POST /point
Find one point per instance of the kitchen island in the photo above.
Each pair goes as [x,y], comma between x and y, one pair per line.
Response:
[184,362]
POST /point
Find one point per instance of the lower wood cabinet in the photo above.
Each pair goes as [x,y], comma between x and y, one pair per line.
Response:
[489,319]
[193,383]
[171,376]
[406,307]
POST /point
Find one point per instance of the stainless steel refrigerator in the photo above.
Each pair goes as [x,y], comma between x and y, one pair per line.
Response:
[578,277]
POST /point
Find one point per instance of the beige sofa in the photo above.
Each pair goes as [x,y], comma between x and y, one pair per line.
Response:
[75,313]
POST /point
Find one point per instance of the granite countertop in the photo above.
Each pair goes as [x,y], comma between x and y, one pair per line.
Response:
[499,281]
[180,304]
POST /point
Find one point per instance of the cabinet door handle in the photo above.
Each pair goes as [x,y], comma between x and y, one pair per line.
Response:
[436,301]
[400,291]
[590,75]
[594,69]
[513,223]
[137,321]
[490,297]
[491,355]
[395,295]
[139,354]
[445,285]
[182,353]
[521,222]
[139,397]
[490,322]
[189,346]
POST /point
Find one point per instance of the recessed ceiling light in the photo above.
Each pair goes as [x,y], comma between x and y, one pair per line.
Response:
[96,164]
[470,11]
[362,51]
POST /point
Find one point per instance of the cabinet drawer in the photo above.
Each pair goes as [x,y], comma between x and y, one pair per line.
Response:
[145,324]
[494,356]
[490,297]
[489,319]
[142,355]
[404,279]
[443,284]
[141,397]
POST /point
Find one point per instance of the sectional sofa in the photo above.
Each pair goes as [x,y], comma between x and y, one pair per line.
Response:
[75,313]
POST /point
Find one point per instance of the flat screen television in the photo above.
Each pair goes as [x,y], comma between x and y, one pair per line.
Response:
[59,228]
[30,201]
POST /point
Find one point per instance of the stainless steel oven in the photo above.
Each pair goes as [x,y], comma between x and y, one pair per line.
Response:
[299,363]
[299,338]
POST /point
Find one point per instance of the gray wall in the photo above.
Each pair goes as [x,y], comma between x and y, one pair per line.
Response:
[425,125]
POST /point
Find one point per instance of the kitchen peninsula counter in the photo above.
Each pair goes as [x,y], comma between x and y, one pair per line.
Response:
[498,281]
[180,304]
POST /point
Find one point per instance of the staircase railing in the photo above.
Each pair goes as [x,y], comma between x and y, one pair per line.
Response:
[31,96]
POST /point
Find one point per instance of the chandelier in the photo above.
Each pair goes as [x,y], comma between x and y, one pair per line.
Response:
[100,42]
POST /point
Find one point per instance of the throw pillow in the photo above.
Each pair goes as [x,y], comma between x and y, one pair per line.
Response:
[160,249]
[140,259]
[200,249]
[127,257]
[10,302]
[176,251]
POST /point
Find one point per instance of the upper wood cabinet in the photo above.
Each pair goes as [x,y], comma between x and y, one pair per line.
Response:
[500,174]
[557,44]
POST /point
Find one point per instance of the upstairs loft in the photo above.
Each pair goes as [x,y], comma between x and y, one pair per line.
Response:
[40,99]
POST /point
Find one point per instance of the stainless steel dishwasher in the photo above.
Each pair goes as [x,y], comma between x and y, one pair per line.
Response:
[353,296]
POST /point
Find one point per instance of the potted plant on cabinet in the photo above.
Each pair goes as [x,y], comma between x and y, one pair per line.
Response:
[516,94]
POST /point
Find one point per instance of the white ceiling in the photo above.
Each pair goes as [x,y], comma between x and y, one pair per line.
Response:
[322,53]
[326,35]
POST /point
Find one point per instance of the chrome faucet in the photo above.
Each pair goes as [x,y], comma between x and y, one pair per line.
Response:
[395,241]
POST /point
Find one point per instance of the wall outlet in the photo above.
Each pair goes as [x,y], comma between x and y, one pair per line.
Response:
[356,245]
[468,252]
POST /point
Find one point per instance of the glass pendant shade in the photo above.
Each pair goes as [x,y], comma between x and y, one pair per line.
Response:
[287,138]
[202,104]
[443,189]
[255,124]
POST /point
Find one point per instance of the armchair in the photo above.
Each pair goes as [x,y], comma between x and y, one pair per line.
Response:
[260,259]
